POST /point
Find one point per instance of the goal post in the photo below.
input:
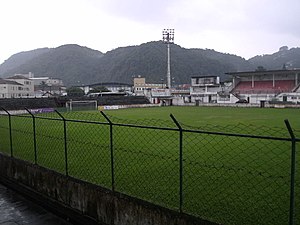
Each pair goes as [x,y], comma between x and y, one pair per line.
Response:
[81,105]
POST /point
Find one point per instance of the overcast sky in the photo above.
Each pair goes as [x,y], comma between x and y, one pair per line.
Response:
[242,27]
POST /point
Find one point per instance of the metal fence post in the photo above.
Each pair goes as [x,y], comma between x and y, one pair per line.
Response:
[34,135]
[293,173]
[65,142]
[10,132]
[180,162]
[111,151]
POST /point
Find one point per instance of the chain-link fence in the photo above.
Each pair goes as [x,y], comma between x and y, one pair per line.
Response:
[228,175]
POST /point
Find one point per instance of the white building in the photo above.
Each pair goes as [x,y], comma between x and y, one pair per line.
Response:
[209,89]
[47,80]
[45,86]
[9,89]
[141,88]
[16,87]
[156,93]
[113,86]
[26,85]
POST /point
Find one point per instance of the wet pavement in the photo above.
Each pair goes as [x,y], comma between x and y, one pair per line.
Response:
[17,210]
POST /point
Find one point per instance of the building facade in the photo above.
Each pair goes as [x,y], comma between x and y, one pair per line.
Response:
[141,88]
[47,86]
[209,89]
[113,87]
[26,85]
[156,93]
[10,89]
[16,87]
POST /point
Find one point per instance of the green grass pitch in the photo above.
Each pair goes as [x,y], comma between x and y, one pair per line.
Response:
[215,115]
[226,179]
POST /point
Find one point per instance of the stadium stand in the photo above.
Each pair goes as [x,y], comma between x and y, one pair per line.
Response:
[37,103]
[265,86]
[30,103]
[107,100]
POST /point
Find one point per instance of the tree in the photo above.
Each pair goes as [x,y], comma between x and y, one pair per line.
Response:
[283,48]
[43,85]
[284,66]
[75,92]
[260,68]
[99,89]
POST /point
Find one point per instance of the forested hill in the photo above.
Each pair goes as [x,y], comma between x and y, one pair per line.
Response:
[71,63]
[150,61]
[284,58]
[75,64]
[21,58]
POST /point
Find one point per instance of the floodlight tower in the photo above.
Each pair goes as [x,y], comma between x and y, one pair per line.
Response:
[168,38]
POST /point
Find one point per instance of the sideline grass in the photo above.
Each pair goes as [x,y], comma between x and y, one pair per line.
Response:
[230,180]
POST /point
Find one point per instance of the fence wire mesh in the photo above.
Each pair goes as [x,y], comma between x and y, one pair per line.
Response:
[22,141]
[224,177]
[50,144]
[148,167]
[89,152]
[5,134]
[297,186]
[237,174]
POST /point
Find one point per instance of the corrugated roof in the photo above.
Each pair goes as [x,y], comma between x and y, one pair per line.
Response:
[3,81]
[18,77]
[265,72]
[115,84]
[208,76]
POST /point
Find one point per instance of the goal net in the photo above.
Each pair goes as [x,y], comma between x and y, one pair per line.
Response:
[81,105]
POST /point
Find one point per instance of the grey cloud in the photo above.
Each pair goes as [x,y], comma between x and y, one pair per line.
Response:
[151,11]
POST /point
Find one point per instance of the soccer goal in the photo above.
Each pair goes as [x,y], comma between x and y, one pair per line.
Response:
[81,105]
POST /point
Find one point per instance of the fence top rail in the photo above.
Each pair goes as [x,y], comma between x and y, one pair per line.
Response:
[241,135]
[145,127]
[208,132]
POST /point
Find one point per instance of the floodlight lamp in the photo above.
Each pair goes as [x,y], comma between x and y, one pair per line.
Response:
[168,36]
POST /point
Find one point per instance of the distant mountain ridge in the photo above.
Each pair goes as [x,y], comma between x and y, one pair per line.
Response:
[76,65]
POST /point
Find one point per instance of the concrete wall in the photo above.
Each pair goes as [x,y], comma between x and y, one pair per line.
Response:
[83,202]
